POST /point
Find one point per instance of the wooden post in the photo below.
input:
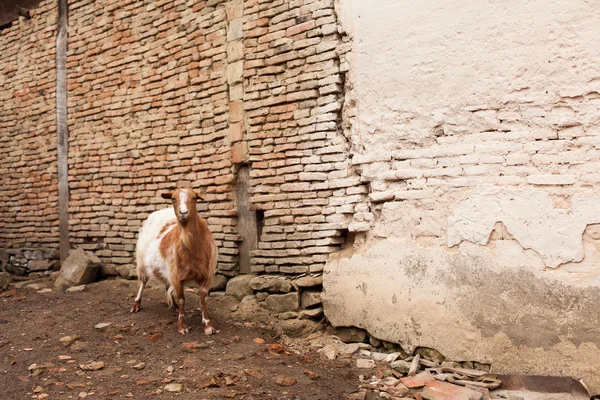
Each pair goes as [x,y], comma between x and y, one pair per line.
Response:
[62,128]
[246,221]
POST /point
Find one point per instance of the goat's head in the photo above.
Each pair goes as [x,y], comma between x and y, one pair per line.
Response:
[184,203]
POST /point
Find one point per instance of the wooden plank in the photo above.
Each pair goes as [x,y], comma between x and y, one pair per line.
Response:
[62,128]
[246,222]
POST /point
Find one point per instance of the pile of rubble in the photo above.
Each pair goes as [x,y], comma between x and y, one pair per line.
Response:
[417,378]
[29,261]
[397,376]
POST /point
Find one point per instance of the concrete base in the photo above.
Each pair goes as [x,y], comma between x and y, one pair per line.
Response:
[459,302]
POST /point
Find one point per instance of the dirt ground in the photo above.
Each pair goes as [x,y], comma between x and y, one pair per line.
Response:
[144,356]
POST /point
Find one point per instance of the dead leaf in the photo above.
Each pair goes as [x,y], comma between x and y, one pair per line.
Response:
[311,374]
[229,393]
[254,373]
[275,348]
[208,381]
[154,337]
[192,347]
[284,380]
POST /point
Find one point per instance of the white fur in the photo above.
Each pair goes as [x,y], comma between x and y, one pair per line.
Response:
[183,197]
[147,250]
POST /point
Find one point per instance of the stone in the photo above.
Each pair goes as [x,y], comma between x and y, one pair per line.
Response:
[109,270]
[19,271]
[310,298]
[298,327]
[309,281]
[5,280]
[378,356]
[36,285]
[102,325]
[271,284]
[127,271]
[239,286]
[288,315]
[46,290]
[76,289]
[282,302]
[347,348]
[261,296]
[365,363]
[373,341]
[328,352]
[430,354]
[219,283]
[351,335]
[79,268]
[40,265]
[173,387]
[93,366]
[312,313]
[401,366]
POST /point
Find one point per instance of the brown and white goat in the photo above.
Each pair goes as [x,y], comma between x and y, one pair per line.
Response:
[176,246]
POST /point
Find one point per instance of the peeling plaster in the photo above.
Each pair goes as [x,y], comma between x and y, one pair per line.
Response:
[461,303]
[530,217]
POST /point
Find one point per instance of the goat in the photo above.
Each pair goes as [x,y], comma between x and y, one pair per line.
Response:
[176,246]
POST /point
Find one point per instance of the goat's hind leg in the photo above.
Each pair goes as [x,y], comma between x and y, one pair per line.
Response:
[143,278]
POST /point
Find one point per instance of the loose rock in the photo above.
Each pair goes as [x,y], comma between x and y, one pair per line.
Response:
[79,268]
[365,363]
[173,387]
[239,286]
[76,289]
[312,313]
[219,283]
[94,366]
[328,352]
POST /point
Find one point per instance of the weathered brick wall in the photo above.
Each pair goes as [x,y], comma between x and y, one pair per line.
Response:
[148,111]
[182,93]
[28,179]
[300,168]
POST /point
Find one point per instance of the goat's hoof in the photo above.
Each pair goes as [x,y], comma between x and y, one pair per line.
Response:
[209,330]
[135,307]
[183,331]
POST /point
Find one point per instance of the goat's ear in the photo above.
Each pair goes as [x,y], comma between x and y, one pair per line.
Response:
[199,196]
[167,195]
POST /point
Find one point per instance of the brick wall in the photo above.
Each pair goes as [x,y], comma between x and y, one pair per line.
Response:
[28,178]
[182,93]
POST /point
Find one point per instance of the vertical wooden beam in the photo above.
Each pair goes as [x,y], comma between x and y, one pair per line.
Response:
[62,127]
[246,225]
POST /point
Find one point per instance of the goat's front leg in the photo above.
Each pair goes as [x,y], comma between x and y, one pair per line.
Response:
[181,325]
[208,328]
